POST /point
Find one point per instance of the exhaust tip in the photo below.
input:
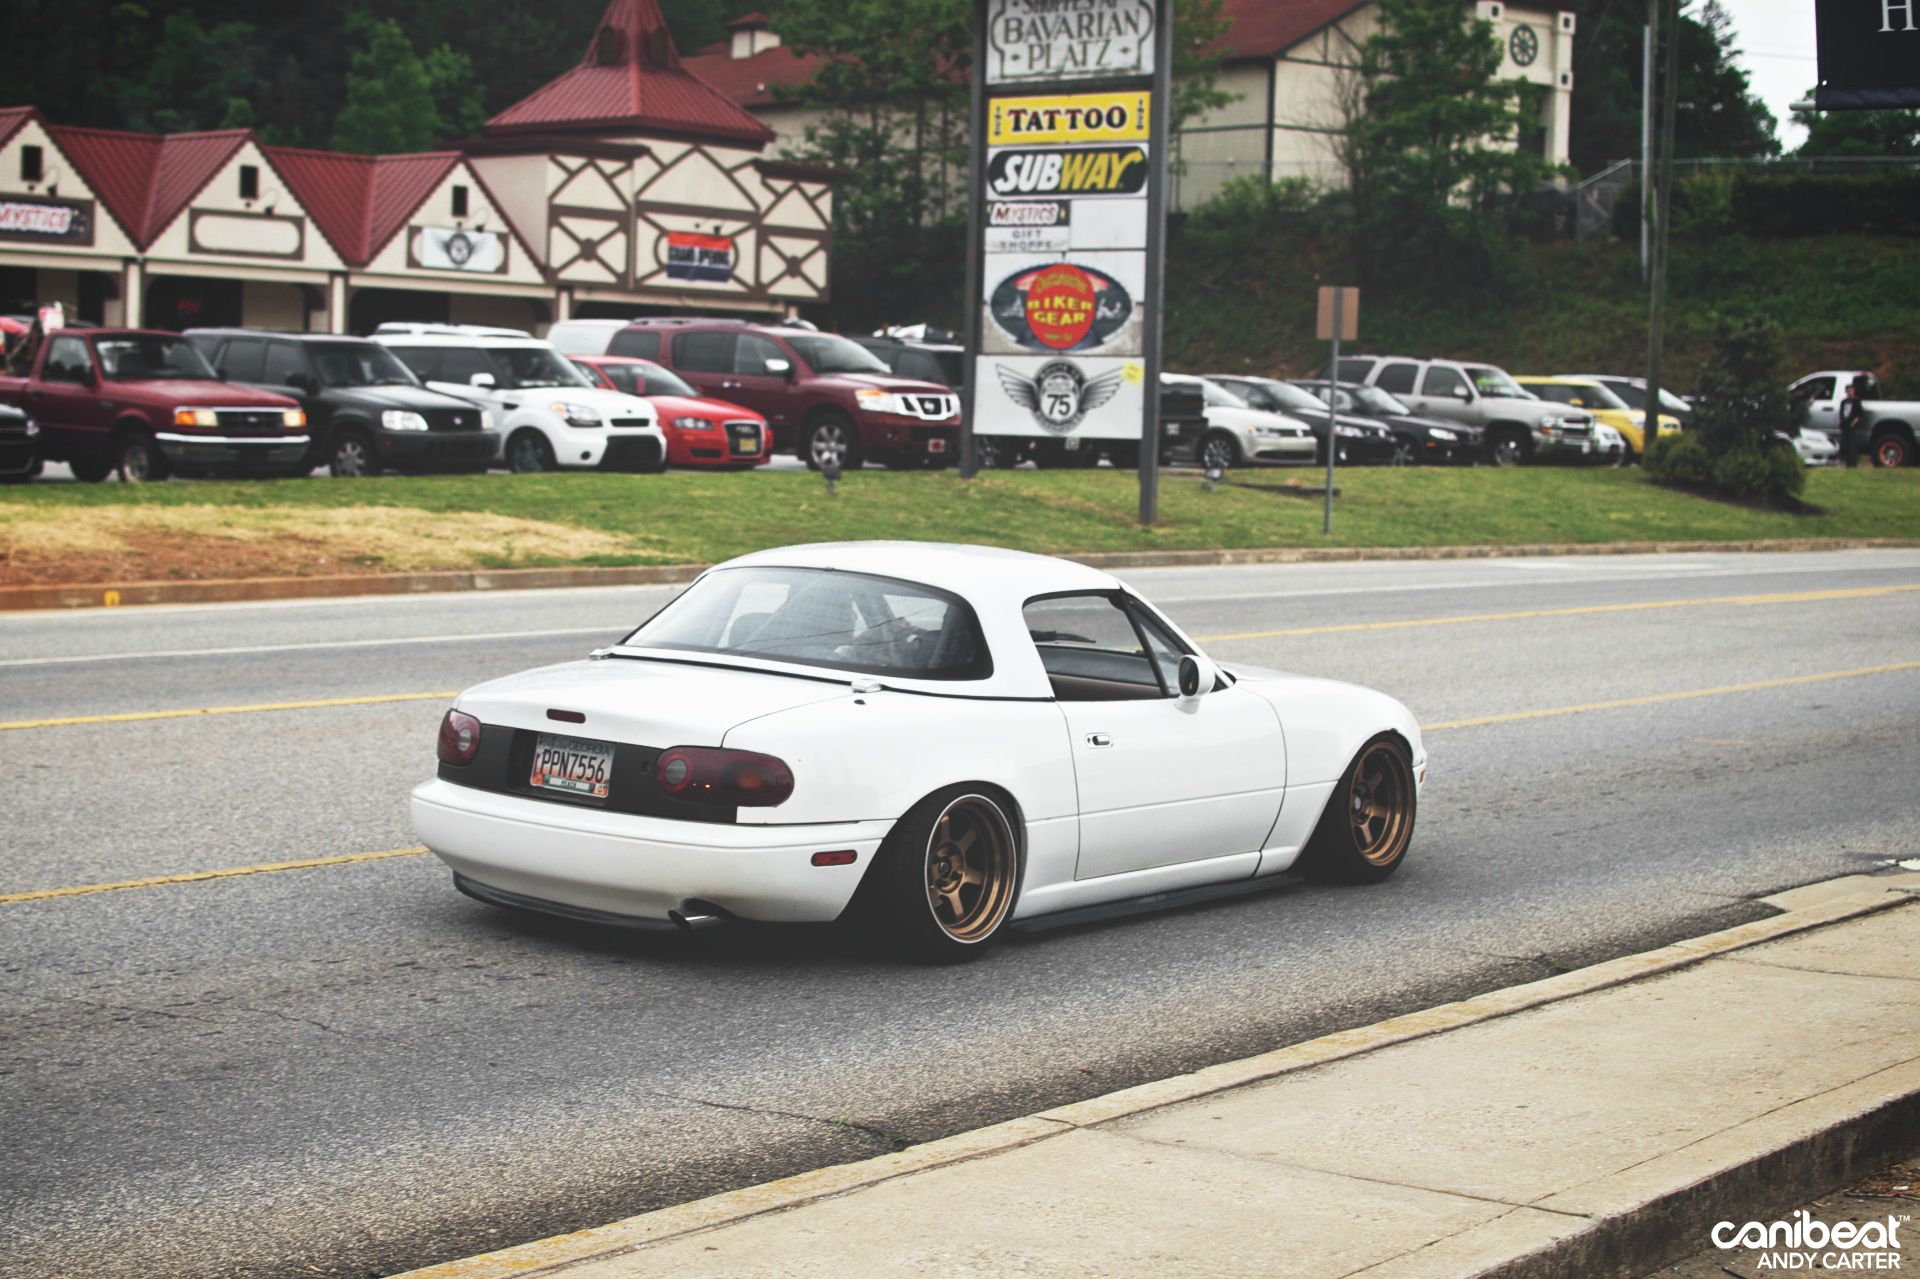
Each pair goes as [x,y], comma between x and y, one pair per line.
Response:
[696,915]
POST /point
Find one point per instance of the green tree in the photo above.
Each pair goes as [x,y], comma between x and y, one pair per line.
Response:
[1743,402]
[1893,133]
[1429,142]
[1717,114]
[190,77]
[389,102]
[457,99]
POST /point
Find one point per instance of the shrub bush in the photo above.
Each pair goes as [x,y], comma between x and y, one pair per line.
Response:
[1731,449]
[1783,204]
[1680,460]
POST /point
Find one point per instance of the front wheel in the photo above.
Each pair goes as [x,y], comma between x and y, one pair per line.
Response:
[1363,835]
[528,453]
[946,877]
[831,440]
[1509,449]
[353,456]
[90,471]
[1218,452]
[1403,455]
[141,461]
[1892,450]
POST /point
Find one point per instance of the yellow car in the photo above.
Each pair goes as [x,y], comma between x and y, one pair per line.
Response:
[1598,399]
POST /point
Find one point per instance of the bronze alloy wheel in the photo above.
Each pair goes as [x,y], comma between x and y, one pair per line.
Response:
[971,867]
[1380,804]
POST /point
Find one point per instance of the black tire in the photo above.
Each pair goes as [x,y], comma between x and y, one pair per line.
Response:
[528,452]
[945,880]
[1509,448]
[1217,448]
[830,435]
[91,471]
[1378,787]
[1892,450]
[354,455]
[139,460]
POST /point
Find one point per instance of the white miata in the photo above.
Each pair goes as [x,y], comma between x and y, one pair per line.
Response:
[930,740]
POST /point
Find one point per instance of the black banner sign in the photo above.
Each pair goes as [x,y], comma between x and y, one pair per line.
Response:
[1869,54]
[47,221]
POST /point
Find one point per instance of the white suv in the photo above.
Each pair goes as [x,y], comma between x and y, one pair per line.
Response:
[550,416]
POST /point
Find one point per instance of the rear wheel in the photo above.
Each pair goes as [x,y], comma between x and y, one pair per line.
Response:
[1892,449]
[1403,455]
[1510,448]
[1363,835]
[91,471]
[946,877]
[1218,452]
[140,460]
[353,456]
[529,453]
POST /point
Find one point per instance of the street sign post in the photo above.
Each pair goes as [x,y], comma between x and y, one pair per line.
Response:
[1337,318]
[1067,227]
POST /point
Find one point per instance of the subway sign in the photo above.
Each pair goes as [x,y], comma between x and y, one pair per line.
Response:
[1035,172]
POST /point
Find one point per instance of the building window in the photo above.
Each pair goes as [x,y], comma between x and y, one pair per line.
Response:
[32,164]
[249,182]
[459,201]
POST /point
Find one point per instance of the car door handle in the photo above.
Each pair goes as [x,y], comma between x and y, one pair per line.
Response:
[1099,739]
[730,386]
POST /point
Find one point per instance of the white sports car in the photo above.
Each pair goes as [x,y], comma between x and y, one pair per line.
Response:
[932,741]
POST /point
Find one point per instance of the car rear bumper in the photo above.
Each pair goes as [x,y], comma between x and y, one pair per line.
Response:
[233,452]
[636,867]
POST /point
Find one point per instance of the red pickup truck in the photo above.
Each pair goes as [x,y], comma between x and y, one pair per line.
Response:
[147,404]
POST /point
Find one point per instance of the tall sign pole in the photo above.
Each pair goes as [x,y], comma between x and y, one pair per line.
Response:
[1663,209]
[1337,317]
[976,158]
[1068,217]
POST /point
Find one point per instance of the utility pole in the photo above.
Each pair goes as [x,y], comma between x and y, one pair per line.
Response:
[1649,38]
[1657,291]
[1160,136]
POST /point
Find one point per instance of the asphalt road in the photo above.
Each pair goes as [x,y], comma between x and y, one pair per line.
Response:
[351,1069]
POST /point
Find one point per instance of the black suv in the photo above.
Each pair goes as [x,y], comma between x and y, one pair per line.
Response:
[365,409]
[928,361]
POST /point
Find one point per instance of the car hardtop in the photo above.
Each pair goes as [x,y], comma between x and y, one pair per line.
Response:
[996,584]
[404,395]
[783,335]
[189,392]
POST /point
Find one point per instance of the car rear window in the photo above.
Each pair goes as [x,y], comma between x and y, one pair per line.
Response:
[642,343]
[824,617]
[1395,379]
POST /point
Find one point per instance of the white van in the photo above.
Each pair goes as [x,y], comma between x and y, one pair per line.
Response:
[550,416]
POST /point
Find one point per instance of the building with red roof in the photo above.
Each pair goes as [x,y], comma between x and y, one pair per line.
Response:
[573,197]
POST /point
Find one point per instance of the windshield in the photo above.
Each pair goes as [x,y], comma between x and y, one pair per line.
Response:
[647,379]
[360,364]
[1491,381]
[1221,397]
[1598,395]
[1375,400]
[1287,396]
[530,366]
[825,353]
[148,356]
[823,617]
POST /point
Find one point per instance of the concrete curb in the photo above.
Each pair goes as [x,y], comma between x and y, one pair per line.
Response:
[231,590]
[1844,1129]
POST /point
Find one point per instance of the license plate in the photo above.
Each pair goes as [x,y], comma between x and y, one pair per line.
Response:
[936,445]
[747,446]
[572,765]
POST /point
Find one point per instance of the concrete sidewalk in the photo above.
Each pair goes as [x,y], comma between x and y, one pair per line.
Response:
[1598,1123]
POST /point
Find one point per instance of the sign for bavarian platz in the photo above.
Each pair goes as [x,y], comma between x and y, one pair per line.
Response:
[1069,153]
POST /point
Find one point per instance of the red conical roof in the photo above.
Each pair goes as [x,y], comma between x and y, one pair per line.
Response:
[631,78]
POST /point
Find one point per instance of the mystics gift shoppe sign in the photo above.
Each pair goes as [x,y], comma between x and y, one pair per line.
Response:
[1067,184]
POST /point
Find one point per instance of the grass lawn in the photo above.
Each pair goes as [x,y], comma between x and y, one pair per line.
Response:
[93,533]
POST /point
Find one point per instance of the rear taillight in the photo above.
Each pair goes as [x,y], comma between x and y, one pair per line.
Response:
[459,738]
[708,775]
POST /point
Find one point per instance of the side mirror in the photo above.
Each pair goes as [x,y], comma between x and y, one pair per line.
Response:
[779,367]
[485,381]
[1462,393]
[1197,676]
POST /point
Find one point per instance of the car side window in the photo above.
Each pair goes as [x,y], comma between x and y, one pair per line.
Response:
[625,377]
[460,363]
[68,360]
[1092,650]
[423,360]
[704,352]
[752,353]
[284,359]
[243,360]
[1558,394]
[920,366]
[1440,380]
[1820,388]
[1395,379]
[644,343]
[1354,370]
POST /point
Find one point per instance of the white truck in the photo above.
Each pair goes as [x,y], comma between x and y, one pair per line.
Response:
[1887,428]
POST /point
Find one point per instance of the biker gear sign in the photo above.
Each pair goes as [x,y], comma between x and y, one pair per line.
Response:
[1060,306]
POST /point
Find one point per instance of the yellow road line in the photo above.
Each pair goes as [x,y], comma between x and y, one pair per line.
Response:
[194,877]
[131,716]
[1748,601]
[1655,699]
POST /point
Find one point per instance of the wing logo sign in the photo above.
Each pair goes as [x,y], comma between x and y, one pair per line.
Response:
[1019,172]
[1059,395]
[1061,306]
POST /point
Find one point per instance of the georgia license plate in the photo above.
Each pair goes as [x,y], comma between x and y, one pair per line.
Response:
[572,765]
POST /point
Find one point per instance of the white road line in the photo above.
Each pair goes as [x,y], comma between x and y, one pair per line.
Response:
[1483,583]
[611,632]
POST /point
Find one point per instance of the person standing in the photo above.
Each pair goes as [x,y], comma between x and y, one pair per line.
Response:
[1852,410]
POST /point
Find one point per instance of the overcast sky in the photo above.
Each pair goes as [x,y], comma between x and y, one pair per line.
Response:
[1775,39]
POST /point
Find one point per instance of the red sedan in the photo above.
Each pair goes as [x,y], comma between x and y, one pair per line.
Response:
[700,431]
